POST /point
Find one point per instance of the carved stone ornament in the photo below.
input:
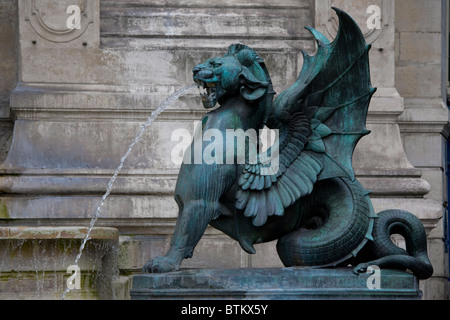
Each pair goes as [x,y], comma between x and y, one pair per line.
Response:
[50,18]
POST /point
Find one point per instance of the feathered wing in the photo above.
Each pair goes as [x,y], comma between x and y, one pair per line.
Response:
[320,119]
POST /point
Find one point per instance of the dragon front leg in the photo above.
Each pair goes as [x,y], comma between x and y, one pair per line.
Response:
[191,224]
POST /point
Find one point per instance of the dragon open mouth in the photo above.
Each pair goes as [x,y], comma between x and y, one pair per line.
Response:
[208,92]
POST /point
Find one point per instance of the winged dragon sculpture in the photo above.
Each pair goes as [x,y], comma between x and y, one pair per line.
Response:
[313,204]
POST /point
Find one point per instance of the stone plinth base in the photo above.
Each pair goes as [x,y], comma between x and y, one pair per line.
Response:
[274,283]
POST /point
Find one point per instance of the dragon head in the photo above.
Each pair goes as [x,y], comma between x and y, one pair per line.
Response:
[240,72]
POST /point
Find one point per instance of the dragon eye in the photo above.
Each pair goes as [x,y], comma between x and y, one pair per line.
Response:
[216,64]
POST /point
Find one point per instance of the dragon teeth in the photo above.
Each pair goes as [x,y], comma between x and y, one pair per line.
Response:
[207,91]
[202,90]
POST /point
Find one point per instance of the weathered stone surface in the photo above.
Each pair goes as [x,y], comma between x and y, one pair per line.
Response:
[84,99]
[275,283]
[421,77]
[381,149]
[414,15]
[51,233]
[423,149]
[406,186]
[429,211]
[35,262]
[418,80]
[420,47]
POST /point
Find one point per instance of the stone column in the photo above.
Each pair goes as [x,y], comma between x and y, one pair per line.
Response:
[421,58]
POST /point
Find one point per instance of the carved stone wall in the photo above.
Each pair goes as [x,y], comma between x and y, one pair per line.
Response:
[82,94]
[48,22]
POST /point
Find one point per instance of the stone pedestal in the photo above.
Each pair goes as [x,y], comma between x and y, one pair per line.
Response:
[273,283]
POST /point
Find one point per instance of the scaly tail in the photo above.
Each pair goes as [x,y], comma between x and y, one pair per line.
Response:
[338,226]
[388,255]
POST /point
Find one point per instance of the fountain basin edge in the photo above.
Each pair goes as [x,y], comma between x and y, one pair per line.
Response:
[35,262]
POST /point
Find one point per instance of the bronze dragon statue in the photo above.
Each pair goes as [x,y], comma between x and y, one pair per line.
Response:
[312,203]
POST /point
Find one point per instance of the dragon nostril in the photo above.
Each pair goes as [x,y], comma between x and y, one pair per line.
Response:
[205,74]
[196,69]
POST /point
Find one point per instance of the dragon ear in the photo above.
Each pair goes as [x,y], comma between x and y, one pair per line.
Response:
[253,89]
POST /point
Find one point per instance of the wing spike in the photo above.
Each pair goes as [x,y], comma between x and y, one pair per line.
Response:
[320,38]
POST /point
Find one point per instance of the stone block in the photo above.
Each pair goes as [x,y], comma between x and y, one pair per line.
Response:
[93,144]
[436,289]
[424,150]
[214,250]
[382,66]
[81,208]
[122,288]
[429,211]
[419,80]
[437,181]
[381,150]
[36,260]
[43,286]
[395,186]
[198,21]
[273,283]
[438,232]
[135,251]
[423,115]
[420,47]
[418,15]
[161,43]
[437,256]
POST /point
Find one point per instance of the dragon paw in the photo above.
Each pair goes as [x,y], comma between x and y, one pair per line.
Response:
[161,265]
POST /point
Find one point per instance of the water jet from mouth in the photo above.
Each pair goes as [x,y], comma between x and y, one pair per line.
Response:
[166,103]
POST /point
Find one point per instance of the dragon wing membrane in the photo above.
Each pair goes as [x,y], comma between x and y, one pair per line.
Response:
[321,118]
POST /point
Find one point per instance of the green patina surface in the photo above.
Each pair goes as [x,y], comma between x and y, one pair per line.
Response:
[279,284]
[312,203]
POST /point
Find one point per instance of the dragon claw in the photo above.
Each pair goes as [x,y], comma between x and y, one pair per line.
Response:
[360,268]
[160,265]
